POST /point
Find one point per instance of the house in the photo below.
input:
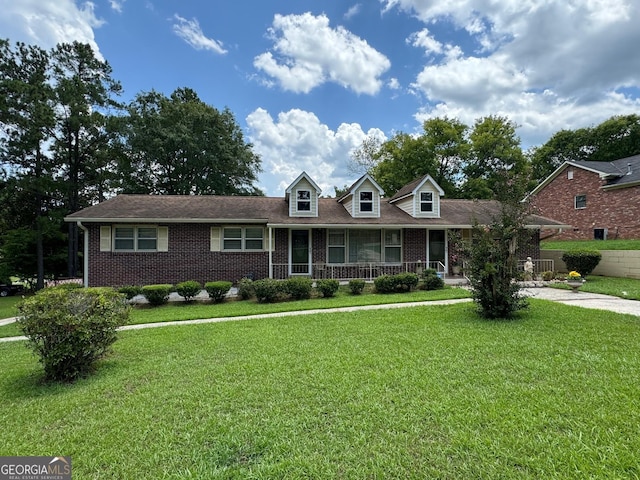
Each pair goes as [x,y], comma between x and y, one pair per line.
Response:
[599,199]
[145,239]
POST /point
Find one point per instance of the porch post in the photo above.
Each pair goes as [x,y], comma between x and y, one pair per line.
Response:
[270,253]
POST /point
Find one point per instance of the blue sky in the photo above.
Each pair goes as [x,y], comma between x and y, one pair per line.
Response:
[308,81]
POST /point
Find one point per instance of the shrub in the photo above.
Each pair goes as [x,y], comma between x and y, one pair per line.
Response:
[299,287]
[245,289]
[385,284]
[406,281]
[356,286]
[548,276]
[70,329]
[582,261]
[328,287]
[268,290]
[217,290]
[431,280]
[66,286]
[189,289]
[130,291]
[157,295]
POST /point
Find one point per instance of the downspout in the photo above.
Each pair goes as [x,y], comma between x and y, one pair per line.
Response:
[85,260]
[270,253]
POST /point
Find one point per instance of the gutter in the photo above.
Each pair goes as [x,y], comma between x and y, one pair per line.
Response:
[85,260]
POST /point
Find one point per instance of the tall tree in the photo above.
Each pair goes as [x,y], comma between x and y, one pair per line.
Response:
[181,145]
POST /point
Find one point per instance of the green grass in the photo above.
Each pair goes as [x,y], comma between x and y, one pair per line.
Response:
[429,392]
[8,306]
[591,244]
[628,288]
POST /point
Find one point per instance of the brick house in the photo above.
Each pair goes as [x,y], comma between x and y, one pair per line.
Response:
[599,199]
[145,239]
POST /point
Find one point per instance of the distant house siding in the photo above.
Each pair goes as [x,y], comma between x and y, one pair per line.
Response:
[615,210]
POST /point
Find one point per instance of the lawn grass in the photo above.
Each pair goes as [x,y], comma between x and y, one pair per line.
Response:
[628,288]
[429,392]
[590,244]
[8,306]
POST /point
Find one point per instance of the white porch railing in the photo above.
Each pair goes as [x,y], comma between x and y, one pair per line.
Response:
[539,265]
[347,271]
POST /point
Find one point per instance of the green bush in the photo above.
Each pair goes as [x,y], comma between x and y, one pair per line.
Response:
[299,287]
[582,261]
[66,286]
[130,291]
[217,290]
[356,286]
[431,280]
[328,287]
[157,295]
[189,289]
[406,281]
[385,284]
[70,329]
[269,290]
[548,276]
[245,289]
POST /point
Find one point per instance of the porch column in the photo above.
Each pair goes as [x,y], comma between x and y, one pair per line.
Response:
[270,252]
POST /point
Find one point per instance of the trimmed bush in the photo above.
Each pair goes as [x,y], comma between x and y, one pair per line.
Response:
[189,289]
[299,287]
[431,280]
[356,286]
[217,290]
[548,276]
[70,329]
[385,284]
[157,295]
[328,287]
[245,289]
[66,286]
[582,261]
[406,281]
[130,291]
[268,290]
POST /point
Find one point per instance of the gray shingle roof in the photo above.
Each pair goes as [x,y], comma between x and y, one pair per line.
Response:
[617,172]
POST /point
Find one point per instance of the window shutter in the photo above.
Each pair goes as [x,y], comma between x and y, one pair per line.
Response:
[215,239]
[163,239]
[105,239]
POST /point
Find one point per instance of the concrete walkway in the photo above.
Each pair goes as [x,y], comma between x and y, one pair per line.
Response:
[579,299]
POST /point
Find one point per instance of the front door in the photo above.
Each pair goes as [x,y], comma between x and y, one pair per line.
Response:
[436,249]
[300,258]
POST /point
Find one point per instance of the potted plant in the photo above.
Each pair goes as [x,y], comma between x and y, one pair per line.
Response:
[574,280]
[455,264]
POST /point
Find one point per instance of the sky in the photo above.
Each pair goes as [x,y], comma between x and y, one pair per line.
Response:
[308,81]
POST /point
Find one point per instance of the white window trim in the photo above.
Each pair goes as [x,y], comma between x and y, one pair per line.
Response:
[343,246]
[161,239]
[366,202]
[243,239]
[427,202]
[385,246]
[303,200]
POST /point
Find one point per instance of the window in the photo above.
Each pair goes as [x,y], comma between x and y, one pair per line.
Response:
[364,246]
[366,201]
[238,238]
[570,174]
[337,246]
[304,200]
[392,246]
[581,201]
[426,201]
[135,239]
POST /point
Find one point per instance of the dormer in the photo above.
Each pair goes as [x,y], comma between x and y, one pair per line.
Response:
[302,196]
[420,199]
[362,199]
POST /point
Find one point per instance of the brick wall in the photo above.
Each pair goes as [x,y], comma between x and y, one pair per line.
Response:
[414,246]
[616,210]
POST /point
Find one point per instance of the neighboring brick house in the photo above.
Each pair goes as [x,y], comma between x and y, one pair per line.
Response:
[145,239]
[599,200]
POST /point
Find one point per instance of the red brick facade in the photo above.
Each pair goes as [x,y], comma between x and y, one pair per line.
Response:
[616,210]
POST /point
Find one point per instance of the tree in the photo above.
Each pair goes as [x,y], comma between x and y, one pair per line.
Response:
[180,145]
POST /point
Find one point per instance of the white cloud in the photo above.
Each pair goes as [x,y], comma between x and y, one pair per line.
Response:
[308,53]
[48,22]
[116,5]
[353,11]
[190,32]
[297,141]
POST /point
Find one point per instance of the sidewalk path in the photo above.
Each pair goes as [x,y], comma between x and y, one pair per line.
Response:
[579,299]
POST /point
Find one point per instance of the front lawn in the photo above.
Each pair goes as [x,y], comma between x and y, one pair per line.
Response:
[628,288]
[428,392]
[590,244]
[8,306]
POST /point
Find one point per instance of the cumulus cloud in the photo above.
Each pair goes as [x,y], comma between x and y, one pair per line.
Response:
[116,5]
[49,22]
[190,32]
[307,52]
[297,141]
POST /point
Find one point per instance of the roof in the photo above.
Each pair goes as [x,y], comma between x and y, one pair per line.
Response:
[352,189]
[273,211]
[410,188]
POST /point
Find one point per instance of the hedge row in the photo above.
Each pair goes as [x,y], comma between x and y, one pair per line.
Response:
[159,294]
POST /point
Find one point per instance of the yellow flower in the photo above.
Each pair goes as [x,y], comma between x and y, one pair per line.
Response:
[574,275]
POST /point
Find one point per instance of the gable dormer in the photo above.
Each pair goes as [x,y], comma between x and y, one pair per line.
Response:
[362,199]
[302,196]
[420,198]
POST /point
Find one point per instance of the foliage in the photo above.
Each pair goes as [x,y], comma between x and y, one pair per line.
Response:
[130,291]
[356,286]
[188,289]
[217,290]
[157,295]
[298,288]
[401,282]
[181,145]
[431,280]
[583,261]
[245,289]
[70,329]
[328,287]
[548,276]
[574,276]
[269,290]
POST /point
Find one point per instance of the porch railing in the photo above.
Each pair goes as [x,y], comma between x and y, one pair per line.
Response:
[347,271]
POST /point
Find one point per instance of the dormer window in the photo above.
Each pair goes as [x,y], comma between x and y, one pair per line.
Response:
[366,201]
[426,201]
[304,200]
